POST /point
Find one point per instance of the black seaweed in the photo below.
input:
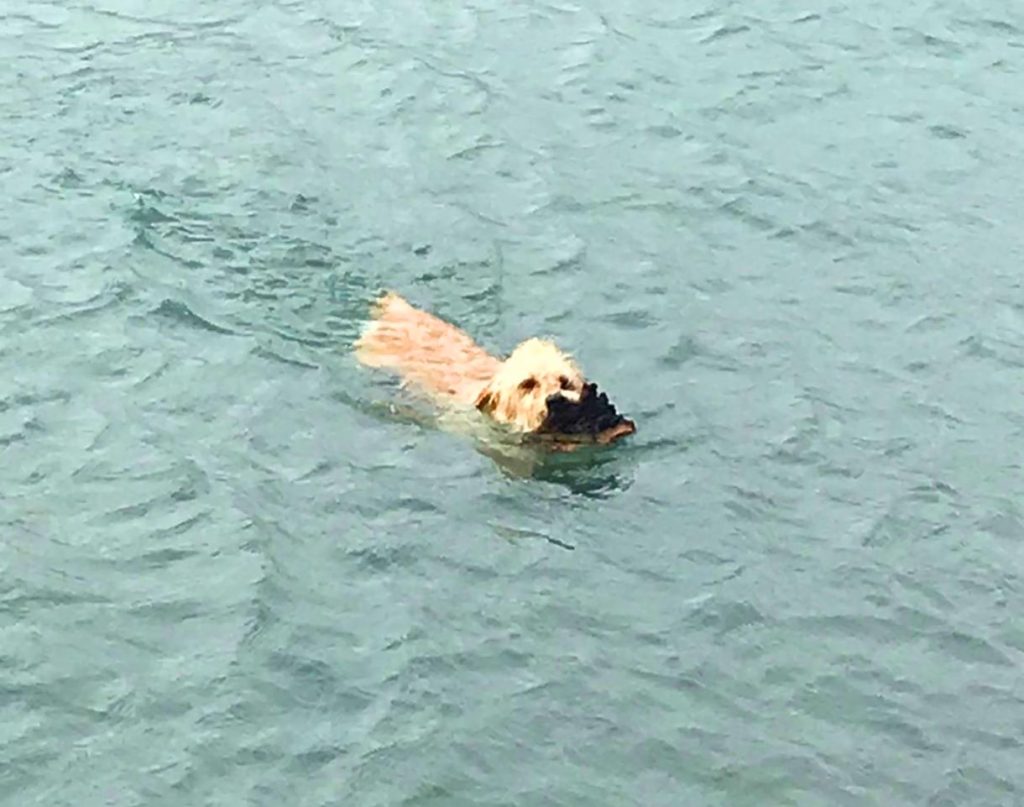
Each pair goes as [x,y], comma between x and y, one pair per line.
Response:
[592,415]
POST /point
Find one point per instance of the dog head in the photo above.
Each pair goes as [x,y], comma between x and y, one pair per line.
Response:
[518,393]
[540,390]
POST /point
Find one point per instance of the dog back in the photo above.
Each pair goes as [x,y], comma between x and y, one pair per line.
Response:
[425,350]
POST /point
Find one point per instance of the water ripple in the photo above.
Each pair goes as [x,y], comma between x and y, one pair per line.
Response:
[784,240]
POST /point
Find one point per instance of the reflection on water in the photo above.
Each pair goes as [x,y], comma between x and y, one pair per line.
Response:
[588,471]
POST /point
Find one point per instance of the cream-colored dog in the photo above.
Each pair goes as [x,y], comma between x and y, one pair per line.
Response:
[443,361]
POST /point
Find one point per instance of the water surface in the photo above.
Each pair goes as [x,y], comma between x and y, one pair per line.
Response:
[785,240]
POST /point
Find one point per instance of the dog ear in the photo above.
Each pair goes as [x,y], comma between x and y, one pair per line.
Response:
[487,401]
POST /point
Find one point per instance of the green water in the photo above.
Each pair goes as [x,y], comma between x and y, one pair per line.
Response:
[785,238]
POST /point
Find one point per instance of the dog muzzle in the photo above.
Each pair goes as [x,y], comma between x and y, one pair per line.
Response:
[592,419]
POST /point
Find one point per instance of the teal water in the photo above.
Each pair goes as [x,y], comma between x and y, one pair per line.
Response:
[784,237]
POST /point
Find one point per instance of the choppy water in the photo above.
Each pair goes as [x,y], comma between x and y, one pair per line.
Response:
[786,240]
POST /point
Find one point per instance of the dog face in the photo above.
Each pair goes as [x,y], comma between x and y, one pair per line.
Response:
[518,393]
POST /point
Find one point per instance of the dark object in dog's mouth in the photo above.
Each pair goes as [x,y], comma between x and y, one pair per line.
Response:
[593,419]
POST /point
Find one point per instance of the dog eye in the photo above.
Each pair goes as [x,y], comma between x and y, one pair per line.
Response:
[564,382]
[528,384]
